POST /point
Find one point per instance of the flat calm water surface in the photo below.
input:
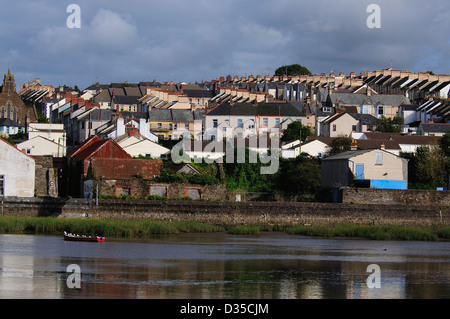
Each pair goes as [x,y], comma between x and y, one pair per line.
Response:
[269,266]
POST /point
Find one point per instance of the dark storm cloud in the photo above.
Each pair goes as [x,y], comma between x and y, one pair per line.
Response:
[194,40]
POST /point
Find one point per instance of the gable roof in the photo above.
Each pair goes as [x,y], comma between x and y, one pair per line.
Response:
[364,99]
[92,146]
[260,109]
[16,149]
[9,123]
[350,154]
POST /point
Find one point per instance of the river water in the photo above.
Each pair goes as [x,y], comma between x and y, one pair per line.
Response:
[269,266]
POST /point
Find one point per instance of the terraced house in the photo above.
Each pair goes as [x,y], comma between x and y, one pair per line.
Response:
[172,124]
[243,120]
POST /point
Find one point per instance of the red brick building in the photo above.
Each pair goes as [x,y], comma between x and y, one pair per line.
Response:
[112,167]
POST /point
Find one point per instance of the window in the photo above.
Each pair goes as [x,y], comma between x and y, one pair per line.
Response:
[354,128]
[170,126]
[175,126]
[277,122]
[227,122]
[326,109]
[214,123]
[240,123]
[334,127]
[186,127]
[82,125]
[379,159]
[2,185]
[159,126]
[380,110]
[365,109]
[265,121]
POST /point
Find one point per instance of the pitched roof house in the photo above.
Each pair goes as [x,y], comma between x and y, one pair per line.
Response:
[249,119]
[366,168]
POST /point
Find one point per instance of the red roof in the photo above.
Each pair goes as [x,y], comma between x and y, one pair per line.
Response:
[96,147]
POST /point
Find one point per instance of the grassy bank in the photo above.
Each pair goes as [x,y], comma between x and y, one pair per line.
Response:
[131,228]
[356,231]
[374,232]
[107,228]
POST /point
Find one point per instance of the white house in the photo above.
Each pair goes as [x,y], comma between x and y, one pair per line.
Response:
[51,131]
[17,172]
[136,144]
[39,145]
[243,120]
[290,149]
[317,147]
[117,129]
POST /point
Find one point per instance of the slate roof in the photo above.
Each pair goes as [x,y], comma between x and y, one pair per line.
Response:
[166,115]
[8,123]
[260,109]
[365,119]
[363,99]
[435,127]
[126,99]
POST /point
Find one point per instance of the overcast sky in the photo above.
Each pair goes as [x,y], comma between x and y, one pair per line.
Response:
[195,40]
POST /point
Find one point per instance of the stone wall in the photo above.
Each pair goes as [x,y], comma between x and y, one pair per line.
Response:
[395,197]
[46,181]
[233,213]
[140,188]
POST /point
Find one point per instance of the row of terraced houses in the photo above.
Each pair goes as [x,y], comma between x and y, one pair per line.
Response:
[136,117]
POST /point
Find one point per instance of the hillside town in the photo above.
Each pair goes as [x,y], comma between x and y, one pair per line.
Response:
[371,130]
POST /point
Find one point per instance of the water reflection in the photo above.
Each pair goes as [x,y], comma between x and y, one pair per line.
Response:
[273,266]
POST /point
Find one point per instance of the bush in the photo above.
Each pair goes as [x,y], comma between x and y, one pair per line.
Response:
[203,179]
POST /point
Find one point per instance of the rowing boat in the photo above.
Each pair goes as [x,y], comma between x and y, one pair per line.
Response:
[75,237]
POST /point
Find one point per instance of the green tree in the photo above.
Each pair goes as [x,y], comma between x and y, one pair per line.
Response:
[299,176]
[426,168]
[340,144]
[246,175]
[388,125]
[444,144]
[293,69]
[296,131]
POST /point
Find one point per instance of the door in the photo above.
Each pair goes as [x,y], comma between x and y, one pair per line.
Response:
[359,171]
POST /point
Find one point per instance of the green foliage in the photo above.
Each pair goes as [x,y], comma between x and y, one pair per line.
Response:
[299,176]
[296,131]
[293,69]
[247,176]
[388,125]
[426,168]
[339,145]
[444,144]
[203,179]
[169,176]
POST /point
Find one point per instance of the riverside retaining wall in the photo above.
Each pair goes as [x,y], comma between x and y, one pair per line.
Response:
[232,213]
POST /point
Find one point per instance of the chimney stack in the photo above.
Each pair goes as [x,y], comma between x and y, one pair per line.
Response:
[354,145]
